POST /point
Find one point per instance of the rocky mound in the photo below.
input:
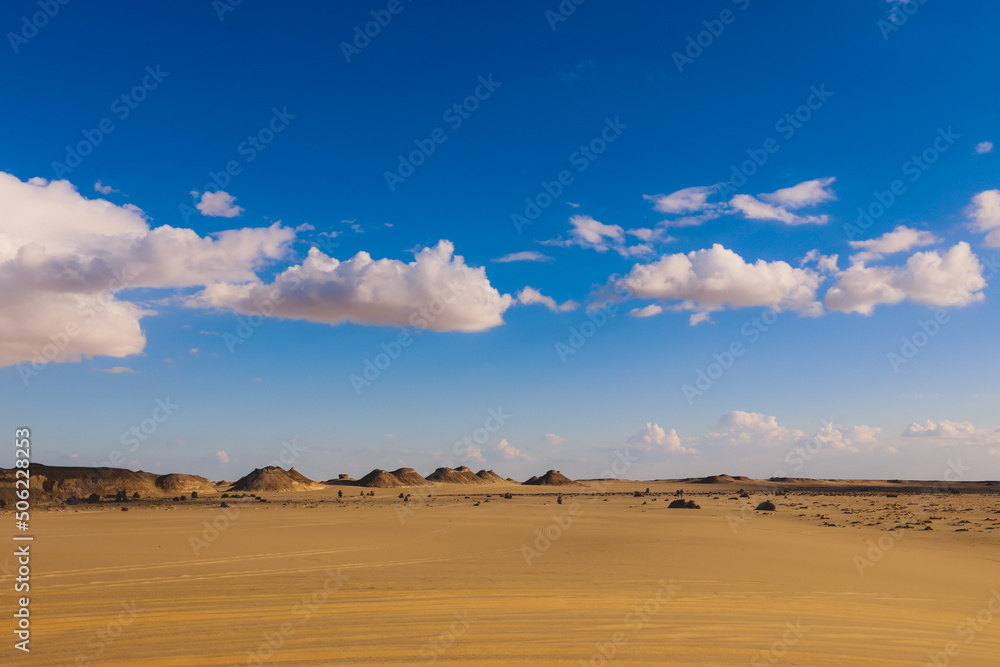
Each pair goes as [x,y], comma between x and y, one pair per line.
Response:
[410,477]
[379,479]
[551,478]
[57,483]
[460,475]
[716,479]
[684,505]
[490,477]
[766,506]
[274,478]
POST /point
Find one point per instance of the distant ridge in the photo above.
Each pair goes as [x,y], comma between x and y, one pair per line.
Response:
[460,475]
[274,478]
[62,482]
[551,478]
[382,479]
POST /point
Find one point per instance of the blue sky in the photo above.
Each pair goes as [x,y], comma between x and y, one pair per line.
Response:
[654,253]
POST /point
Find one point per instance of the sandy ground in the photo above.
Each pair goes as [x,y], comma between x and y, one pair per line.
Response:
[595,580]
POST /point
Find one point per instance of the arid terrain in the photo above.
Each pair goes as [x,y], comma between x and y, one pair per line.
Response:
[841,573]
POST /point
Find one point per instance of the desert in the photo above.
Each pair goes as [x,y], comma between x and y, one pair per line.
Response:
[594,572]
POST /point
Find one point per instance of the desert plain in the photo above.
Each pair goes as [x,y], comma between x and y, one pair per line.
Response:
[595,573]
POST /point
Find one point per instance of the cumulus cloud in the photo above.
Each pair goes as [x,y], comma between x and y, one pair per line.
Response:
[529,296]
[754,209]
[221,456]
[649,311]
[586,232]
[104,189]
[951,278]
[115,370]
[709,280]
[510,452]
[984,147]
[219,204]
[985,214]
[688,200]
[553,439]
[437,291]
[524,256]
[752,429]
[807,193]
[950,433]
[824,263]
[653,439]
[64,259]
[900,239]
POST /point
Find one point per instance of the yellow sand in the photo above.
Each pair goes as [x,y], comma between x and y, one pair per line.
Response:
[451,582]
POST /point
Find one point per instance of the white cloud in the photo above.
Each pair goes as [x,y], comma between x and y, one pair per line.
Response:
[529,296]
[985,214]
[219,204]
[950,433]
[807,193]
[64,259]
[116,370]
[984,147]
[900,239]
[824,263]
[586,232]
[510,452]
[649,311]
[657,235]
[221,456]
[688,200]
[524,256]
[436,291]
[708,280]
[952,278]
[754,209]
[589,233]
[553,439]
[753,427]
[104,189]
[653,439]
